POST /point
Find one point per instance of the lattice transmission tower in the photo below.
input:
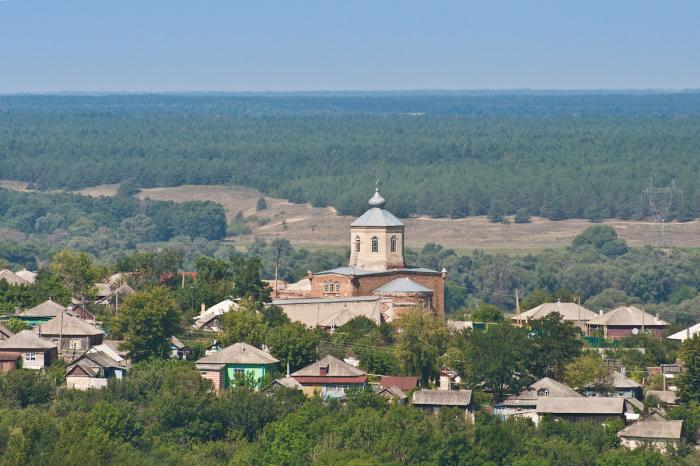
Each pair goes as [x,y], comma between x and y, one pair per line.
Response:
[661,202]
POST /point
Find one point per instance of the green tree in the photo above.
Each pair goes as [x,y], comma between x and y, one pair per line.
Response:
[294,344]
[486,313]
[24,387]
[15,325]
[588,370]
[77,271]
[522,216]
[422,339]
[244,324]
[261,205]
[555,343]
[147,320]
[247,280]
[689,383]
[498,358]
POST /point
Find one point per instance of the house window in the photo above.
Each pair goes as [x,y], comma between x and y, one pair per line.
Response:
[375,244]
[76,344]
[30,356]
[357,244]
[393,243]
[331,287]
[543,392]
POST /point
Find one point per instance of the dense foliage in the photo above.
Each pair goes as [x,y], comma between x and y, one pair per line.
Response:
[137,220]
[558,156]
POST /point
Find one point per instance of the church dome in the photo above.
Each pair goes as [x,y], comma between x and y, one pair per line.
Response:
[377,200]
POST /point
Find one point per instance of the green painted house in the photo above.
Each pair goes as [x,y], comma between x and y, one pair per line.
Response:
[238,361]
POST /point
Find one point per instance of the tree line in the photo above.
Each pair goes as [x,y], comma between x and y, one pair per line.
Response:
[585,156]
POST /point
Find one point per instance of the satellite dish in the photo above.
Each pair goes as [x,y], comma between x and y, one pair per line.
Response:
[635,331]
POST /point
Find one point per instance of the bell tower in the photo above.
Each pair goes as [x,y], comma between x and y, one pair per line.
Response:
[377,238]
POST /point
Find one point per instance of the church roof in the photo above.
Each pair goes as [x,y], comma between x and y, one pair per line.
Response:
[403,285]
[358,272]
[376,216]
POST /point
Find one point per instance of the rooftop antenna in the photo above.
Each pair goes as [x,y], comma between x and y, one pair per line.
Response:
[661,201]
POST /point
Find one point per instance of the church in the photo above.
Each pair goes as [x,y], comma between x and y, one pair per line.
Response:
[376,283]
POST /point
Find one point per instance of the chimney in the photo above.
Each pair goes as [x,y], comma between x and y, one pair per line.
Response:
[323,370]
[623,371]
[443,273]
[601,312]
[444,381]
[309,274]
[203,308]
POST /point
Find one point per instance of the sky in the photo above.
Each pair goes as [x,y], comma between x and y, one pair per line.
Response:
[305,45]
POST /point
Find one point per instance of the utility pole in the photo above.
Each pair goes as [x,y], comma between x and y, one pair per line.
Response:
[277,264]
[517,307]
[661,201]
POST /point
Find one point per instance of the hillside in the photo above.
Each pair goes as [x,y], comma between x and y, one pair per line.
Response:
[305,225]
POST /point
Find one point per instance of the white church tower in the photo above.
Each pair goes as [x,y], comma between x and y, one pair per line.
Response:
[377,238]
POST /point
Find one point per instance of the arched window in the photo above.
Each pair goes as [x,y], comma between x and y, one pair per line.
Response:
[326,286]
[337,287]
[393,243]
[375,244]
[543,392]
[357,243]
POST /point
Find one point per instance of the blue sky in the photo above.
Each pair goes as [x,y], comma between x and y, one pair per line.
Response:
[236,45]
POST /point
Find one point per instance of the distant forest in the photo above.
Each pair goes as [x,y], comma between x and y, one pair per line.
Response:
[444,154]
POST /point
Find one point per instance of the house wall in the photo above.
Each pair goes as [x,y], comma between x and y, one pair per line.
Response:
[635,442]
[37,363]
[7,366]
[85,383]
[616,332]
[216,378]
[258,372]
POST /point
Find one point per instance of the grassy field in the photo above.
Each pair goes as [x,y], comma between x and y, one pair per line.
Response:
[309,226]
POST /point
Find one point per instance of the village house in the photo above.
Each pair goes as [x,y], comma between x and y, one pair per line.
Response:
[284,382]
[376,269]
[331,313]
[654,432]
[570,312]
[404,382]
[9,360]
[5,332]
[41,313]
[178,350]
[210,319]
[72,335]
[617,385]
[524,404]
[237,363]
[329,378]
[581,408]
[35,352]
[434,400]
[393,394]
[624,321]
[92,370]
[685,334]
[12,278]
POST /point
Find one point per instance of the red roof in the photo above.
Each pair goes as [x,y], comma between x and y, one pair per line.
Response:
[331,380]
[405,383]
